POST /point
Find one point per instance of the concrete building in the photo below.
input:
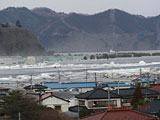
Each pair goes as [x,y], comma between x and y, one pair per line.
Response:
[30,60]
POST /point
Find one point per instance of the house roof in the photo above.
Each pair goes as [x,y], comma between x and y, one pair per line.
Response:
[145,80]
[69,85]
[151,107]
[114,84]
[36,86]
[64,95]
[2,89]
[120,115]
[45,96]
[155,87]
[130,92]
[97,94]
[41,97]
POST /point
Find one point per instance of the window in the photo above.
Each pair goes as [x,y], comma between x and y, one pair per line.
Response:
[92,104]
[81,102]
[58,107]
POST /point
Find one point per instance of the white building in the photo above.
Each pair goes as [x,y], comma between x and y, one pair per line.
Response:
[54,102]
[31,60]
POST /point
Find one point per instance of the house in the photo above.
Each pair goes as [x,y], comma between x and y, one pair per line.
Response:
[50,100]
[127,95]
[11,60]
[155,87]
[144,82]
[30,60]
[154,108]
[70,86]
[70,96]
[36,88]
[120,115]
[116,85]
[98,99]
[3,92]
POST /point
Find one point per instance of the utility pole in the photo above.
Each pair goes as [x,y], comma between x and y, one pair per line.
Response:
[140,72]
[108,95]
[59,76]
[19,116]
[118,87]
[86,75]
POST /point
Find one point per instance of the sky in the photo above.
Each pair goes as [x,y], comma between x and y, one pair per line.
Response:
[140,7]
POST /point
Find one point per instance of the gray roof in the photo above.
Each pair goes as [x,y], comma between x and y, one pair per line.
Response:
[64,95]
[130,92]
[152,107]
[97,94]
[36,86]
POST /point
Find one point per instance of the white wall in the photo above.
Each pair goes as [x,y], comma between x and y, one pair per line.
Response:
[53,101]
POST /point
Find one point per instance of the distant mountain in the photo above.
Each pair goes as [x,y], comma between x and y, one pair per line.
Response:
[18,41]
[90,33]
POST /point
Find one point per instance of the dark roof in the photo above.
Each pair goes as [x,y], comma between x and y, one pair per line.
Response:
[36,86]
[45,96]
[151,107]
[97,94]
[64,95]
[120,115]
[77,108]
[130,92]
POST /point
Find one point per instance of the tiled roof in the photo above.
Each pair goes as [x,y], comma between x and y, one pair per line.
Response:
[97,94]
[155,87]
[120,115]
[152,107]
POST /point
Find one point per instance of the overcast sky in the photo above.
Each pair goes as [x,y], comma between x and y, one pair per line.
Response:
[141,7]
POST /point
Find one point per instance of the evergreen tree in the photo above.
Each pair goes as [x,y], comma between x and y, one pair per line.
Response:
[18,24]
[16,103]
[137,97]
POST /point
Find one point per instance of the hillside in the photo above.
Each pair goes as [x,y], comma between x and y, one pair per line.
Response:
[18,41]
[90,33]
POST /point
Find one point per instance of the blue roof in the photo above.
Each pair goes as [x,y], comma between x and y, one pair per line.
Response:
[146,79]
[57,85]
[116,84]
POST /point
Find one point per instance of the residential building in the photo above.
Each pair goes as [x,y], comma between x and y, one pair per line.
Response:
[50,100]
[70,96]
[36,88]
[153,108]
[127,95]
[3,92]
[98,99]
[80,87]
[145,82]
